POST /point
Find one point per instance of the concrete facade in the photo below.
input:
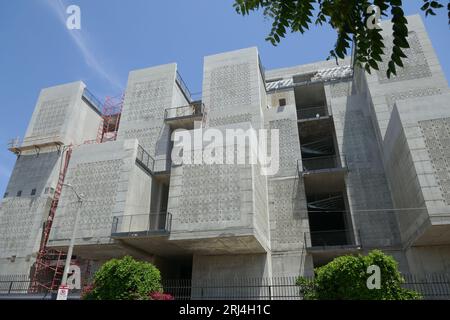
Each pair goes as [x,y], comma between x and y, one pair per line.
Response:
[62,116]
[363,164]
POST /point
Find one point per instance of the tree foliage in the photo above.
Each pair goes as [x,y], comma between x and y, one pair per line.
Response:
[345,278]
[125,279]
[348,18]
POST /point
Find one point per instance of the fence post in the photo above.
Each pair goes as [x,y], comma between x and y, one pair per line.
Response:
[270,291]
[10,287]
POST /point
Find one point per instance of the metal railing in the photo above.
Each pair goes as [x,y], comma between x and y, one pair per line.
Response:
[141,224]
[312,112]
[145,159]
[319,163]
[331,238]
[14,284]
[184,88]
[262,70]
[14,143]
[281,288]
[191,110]
[430,286]
[149,163]
[92,100]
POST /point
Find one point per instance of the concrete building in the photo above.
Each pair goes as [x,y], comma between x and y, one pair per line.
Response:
[364,163]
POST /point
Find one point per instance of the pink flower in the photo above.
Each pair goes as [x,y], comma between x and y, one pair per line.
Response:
[161,296]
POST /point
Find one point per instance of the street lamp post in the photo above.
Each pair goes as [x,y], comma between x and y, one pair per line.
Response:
[74,233]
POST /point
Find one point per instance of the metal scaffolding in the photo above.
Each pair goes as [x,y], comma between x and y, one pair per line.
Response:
[111,114]
[49,265]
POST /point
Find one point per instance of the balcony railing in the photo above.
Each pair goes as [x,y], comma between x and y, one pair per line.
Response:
[192,110]
[319,163]
[149,163]
[92,100]
[331,238]
[141,225]
[145,159]
[184,88]
[311,112]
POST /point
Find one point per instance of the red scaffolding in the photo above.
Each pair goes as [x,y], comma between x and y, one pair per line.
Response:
[111,113]
[49,267]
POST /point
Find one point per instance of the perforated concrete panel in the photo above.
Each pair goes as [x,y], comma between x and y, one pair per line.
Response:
[105,175]
[149,93]
[61,115]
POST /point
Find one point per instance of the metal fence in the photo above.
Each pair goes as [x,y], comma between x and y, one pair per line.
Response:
[276,288]
[432,287]
[14,284]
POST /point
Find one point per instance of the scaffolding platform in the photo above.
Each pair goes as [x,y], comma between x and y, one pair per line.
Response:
[18,149]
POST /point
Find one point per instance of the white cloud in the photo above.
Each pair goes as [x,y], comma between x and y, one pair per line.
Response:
[82,41]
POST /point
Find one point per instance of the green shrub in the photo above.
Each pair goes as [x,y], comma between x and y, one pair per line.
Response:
[125,279]
[345,278]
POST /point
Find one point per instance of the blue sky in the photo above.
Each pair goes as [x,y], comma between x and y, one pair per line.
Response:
[37,51]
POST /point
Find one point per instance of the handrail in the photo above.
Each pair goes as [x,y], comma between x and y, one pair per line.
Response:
[192,110]
[92,100]
[184,88]
[309,82]
[321,163]
[312,107]
[263,72]
[145,158]
[312,112]
[332,238]
[142,224]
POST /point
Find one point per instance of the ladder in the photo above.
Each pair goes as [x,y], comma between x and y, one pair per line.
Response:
[49,264]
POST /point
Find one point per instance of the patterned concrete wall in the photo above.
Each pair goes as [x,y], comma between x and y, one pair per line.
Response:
[421,76]
[224,200]
[287,201]
[149,93]
[211,201]
[20,232]
[437,139]
[61,115]
[424,122]
[104,175]
[232,88]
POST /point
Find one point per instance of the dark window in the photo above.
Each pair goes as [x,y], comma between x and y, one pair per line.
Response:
[33,192]
[19,193]
[5,195]
[282,102]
